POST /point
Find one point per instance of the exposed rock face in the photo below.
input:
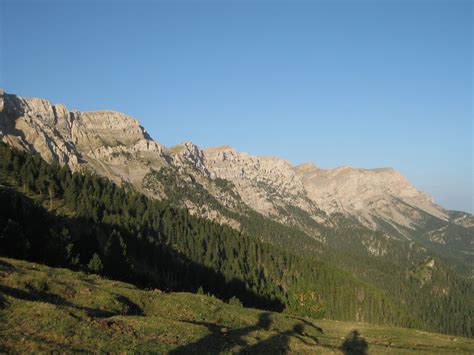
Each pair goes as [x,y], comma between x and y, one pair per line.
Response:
[368,194]
[188,154]
[110,143]
[264,183]
[116,146]
[34,124]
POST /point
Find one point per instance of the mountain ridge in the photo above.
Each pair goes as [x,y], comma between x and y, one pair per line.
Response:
[109,119]
[305,196]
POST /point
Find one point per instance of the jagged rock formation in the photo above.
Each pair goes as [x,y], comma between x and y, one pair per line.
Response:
[116,146]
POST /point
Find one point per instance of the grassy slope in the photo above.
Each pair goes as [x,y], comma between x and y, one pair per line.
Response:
[43,308]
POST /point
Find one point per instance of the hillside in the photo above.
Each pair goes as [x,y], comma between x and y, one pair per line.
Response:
[81,221]
[50,309]
[50,215]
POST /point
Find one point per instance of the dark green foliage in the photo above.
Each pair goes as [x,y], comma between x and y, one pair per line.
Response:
[223,184]
[234,301]
[95,264]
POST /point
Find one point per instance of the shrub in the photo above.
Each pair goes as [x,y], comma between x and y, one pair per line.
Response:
[234,301]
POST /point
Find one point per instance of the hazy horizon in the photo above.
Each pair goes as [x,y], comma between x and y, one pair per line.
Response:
[364,84]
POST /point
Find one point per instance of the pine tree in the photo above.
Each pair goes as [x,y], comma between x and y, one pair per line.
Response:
[95,264]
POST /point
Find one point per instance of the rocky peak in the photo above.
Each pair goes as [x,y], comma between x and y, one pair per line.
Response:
[188,154]
[105,141]
[264,183]
[227,163]
[369,194]
[307,167]
[93,130]
[42,128]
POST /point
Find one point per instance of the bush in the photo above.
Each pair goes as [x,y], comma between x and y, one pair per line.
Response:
[234,301]
[38,285]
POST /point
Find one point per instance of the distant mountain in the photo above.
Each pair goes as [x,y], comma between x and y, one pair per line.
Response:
[369,195]
[226,185]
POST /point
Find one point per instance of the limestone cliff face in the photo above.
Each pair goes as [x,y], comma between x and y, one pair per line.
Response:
[36,125]
[370,195]
[110,143]
[264,183]
[116,146]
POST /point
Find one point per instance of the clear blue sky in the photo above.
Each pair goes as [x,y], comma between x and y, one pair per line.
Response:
[364,83]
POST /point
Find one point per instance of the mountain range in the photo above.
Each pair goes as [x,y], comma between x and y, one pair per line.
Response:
[311,199]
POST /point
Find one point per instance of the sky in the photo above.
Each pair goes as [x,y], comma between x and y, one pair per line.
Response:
[363,83]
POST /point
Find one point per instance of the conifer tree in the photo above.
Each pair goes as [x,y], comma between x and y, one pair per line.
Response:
[95,264]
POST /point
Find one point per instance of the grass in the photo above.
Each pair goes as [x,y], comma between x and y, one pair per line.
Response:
[48,309]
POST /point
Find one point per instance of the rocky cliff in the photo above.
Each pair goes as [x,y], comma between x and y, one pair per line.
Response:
[371,195]
[109,143]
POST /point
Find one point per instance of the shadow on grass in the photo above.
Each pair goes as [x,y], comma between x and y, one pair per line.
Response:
[222,339]
[4,349]
[6,267]
[132,308]
[354,344]
[3,302]
[43,296]
[319,329]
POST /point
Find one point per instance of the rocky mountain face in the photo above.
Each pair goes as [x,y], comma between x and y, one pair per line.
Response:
[371,195]
[116,146]
[109,143]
